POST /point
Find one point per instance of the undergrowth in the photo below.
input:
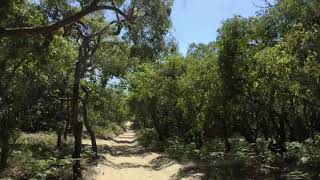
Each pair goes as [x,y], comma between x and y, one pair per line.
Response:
[244,161]
[35,156]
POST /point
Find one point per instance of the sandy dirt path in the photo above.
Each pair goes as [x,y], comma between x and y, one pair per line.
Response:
[124,159]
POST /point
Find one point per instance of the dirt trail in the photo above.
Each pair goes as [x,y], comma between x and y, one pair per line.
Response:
[124,159]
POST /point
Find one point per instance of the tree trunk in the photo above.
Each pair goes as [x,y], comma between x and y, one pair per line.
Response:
[88,126]
[76,123]
[61,116]
[282,135]
[158,129]
[155,120]
[77,174]
[67,125]
[59,139]
[226,137]
[5,144]
[313,119]
[4,131]
[66,129]
[198,141]
[157,126]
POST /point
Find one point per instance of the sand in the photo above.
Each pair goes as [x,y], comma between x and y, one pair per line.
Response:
[124,159]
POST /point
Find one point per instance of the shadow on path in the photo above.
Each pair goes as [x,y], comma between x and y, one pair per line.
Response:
[124,150]
[123,158]
[120,141]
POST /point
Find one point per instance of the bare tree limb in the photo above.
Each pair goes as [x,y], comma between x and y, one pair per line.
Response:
[267,6]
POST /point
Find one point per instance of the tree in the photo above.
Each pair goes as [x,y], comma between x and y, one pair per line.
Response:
[233,43]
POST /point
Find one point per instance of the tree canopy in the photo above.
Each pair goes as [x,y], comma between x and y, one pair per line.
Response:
[65,64]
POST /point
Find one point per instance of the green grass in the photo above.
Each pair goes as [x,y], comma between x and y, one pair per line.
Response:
[35,155]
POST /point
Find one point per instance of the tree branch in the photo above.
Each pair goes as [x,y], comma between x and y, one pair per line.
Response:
[49,29]
[267,5]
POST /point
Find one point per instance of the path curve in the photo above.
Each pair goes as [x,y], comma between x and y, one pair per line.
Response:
[124,159]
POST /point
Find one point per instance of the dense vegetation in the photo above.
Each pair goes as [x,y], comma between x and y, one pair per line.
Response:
[250,98]
[58,63]
[258,82]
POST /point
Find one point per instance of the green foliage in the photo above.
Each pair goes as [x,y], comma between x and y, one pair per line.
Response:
[147,138]
[258,80]
[36,72]
[34,155]
[107,105]
[255,88]
[105,131]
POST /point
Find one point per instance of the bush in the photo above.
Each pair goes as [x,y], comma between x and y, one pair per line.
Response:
[35,156]
[110,130]
[148,138]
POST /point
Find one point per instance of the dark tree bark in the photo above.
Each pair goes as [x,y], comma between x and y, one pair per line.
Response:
[198,141]
[59,139]
[313,120]
[79,72]
[87,49]
[158,129]
[68,119]
[76,123]
[87,124]
[157,126]
[61,116]
[279,131]
[59,127]
[282,135]
[155,120]
[77,175]
[89,46]
[5,143]
[6,125]
[66,129]
[226,137]
[249,134]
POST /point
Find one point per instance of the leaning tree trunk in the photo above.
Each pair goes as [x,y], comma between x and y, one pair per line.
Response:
[87,124]
[79,71]
[87,50]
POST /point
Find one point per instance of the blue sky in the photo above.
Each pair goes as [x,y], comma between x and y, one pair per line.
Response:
[198,20]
